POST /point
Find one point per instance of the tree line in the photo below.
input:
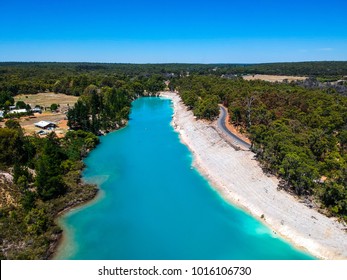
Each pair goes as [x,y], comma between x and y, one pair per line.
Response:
[73,78]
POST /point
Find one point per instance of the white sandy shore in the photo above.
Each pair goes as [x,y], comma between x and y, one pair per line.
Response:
[239,179]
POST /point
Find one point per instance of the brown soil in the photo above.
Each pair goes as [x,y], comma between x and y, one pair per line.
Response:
[235,130]
[45,100]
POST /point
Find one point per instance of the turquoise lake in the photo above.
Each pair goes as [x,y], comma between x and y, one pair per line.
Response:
[153,205]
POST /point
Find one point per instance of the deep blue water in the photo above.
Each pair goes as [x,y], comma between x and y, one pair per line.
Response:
[154,205]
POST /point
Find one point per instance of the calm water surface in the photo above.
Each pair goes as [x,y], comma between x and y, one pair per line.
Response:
[154,205]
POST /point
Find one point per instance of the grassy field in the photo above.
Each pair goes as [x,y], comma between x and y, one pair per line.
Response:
[273,78]
[47,98]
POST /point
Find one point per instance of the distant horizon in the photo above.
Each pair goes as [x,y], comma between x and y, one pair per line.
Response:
[188,63]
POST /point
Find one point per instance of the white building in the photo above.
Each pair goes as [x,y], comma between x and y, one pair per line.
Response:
[18,111]
[45,124]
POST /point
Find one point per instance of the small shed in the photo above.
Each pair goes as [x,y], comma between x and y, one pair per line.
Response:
[45,125]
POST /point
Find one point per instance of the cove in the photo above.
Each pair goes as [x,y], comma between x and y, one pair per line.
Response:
[154,205]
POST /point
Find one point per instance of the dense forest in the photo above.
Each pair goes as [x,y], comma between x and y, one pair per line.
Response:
[298,132]
[43,179]
[73,78]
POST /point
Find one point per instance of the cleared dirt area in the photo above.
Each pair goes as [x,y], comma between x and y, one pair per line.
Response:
[28,123]
[273,78]
[233,129]
[45,100]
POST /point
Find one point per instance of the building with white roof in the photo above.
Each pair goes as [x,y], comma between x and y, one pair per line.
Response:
[45,124]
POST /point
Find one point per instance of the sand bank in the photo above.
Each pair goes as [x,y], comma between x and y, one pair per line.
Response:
[237,176]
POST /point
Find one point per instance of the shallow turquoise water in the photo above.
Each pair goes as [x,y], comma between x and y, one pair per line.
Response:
[154,205]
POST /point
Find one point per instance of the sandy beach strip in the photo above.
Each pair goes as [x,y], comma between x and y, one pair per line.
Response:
[237,176]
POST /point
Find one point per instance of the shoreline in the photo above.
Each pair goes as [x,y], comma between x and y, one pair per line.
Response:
[239,179]
[54,247]
[98,193]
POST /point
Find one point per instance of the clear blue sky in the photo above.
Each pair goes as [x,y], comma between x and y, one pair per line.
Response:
[138,31]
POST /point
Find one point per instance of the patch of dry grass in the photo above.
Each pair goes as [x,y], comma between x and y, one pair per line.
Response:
[45,99]
[273,78]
